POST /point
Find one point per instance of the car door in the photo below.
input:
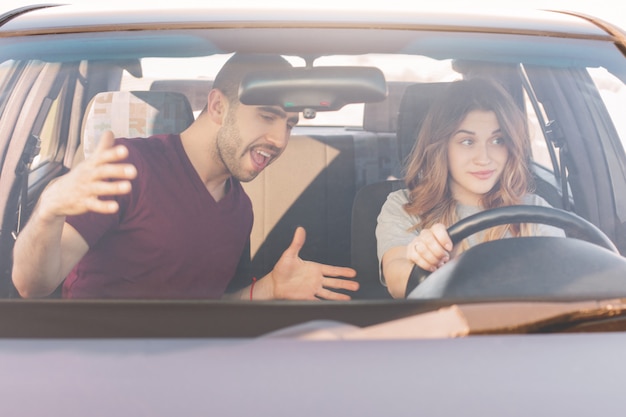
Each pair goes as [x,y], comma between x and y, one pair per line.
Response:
[590,153]
[38,117]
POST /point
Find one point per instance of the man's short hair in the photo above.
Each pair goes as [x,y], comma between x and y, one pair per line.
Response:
[236,68]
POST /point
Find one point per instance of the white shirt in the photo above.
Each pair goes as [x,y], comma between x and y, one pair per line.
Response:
[395,225]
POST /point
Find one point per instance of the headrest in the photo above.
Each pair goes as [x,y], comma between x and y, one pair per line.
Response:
[196,91]
[382,116]
[414,106]
[132,114]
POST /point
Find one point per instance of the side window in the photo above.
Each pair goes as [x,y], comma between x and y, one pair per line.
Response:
[51,128]
[7,71]
[613,93]
[5,66]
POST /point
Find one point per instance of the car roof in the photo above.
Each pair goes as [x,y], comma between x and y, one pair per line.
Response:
[39,19]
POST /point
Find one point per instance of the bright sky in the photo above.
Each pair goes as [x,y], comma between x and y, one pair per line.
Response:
[609,10]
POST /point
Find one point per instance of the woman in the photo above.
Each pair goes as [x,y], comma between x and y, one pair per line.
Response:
[471,154]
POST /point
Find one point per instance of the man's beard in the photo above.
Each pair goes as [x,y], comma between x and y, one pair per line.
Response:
[228,141]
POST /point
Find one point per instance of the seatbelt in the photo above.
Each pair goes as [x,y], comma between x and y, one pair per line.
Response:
[16,203]
[31,149]
[555,136]
[564,184]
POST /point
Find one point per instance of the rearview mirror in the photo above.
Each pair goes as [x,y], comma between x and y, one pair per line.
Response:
[316,88]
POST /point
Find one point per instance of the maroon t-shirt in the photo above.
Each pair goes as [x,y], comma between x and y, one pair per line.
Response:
[170,238]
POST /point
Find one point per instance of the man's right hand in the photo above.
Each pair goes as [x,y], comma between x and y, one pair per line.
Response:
[100,175]
[48,248]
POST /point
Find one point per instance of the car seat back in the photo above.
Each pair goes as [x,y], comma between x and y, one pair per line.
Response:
[367,205]
[415,103]
[134,114]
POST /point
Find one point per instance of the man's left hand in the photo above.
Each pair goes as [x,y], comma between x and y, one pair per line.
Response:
[295,278]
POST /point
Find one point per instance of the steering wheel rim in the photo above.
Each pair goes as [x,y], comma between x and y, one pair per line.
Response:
[574,225]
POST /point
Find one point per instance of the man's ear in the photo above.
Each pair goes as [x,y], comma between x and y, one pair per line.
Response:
[217,106]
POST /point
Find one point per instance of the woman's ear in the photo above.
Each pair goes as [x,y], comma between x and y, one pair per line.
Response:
[217,106]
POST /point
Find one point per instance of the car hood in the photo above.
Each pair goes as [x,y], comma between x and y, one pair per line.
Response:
[466,319]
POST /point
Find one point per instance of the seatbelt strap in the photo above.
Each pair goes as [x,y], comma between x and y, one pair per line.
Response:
[32,148]
[564,185]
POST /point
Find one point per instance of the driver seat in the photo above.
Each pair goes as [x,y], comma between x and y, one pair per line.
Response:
[367,204]
[414,106]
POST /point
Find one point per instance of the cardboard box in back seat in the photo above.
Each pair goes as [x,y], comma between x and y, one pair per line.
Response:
[312,185]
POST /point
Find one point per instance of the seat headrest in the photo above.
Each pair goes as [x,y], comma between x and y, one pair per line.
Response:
[382,116]
[134,114]
[196,91]
[415,104]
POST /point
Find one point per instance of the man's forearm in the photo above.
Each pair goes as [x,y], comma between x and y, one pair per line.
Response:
[260,289]
[37,256]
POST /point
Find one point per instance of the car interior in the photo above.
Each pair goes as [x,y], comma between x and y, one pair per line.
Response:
[343,176]
[344,173]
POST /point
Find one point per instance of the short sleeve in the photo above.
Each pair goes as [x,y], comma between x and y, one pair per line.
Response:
[92,226]
[394,226]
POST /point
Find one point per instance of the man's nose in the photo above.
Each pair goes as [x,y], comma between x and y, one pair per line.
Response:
[279,136]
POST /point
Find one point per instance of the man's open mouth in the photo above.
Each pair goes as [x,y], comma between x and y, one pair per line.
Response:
[260,158]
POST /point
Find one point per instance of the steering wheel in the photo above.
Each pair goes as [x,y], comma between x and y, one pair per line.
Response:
[574,226]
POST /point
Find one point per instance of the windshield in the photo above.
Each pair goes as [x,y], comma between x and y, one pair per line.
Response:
[195,223]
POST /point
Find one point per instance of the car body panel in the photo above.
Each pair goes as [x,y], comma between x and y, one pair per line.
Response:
[574,375]
[501,356]
[56,20]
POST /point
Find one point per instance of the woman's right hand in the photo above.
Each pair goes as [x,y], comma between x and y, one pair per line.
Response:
[431,248]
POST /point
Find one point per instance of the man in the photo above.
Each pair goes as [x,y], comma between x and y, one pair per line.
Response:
[166,217]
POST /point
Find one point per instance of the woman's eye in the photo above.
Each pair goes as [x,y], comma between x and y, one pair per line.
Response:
[498,141]
[466,142]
